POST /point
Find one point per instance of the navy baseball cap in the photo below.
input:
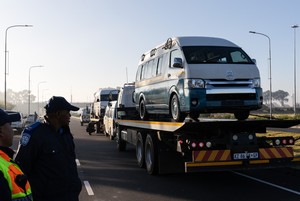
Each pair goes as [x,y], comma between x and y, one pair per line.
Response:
[58,103]
[8,117]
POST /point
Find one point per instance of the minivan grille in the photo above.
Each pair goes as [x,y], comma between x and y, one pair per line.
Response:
[211,97]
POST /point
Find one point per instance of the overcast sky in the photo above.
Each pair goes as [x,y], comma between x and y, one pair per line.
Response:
[88,44]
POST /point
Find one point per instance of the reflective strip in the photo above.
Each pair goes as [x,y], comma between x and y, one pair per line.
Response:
[280,152]
[211,155]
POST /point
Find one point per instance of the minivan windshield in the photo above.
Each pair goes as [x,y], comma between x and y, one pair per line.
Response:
[215,54]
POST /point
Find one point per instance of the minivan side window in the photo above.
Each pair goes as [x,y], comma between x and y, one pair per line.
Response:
[160,63]
[154,68]
[138,74]
[174,54]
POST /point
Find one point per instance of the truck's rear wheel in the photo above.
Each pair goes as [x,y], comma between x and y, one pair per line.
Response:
[111,135]
[241,115]
[140,151]
[151,157]
[121,144]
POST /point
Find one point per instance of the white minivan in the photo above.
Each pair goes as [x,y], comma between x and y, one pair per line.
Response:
[109,119]
[192,75]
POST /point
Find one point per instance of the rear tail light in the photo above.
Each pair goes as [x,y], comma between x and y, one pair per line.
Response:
[283,141]
[201,144]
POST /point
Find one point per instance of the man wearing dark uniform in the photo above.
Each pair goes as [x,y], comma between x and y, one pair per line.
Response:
[47,154]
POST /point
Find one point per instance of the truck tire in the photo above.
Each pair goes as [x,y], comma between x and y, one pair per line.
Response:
[140,150]
[111,135]
[121,144]
[98,127]
[151,155]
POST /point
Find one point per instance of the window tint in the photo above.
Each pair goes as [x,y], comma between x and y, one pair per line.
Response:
[215,54]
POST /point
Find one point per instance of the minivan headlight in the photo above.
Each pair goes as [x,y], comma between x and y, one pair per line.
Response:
[196,83]
[256,83]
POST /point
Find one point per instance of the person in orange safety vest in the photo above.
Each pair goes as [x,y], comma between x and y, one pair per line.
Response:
[13,183]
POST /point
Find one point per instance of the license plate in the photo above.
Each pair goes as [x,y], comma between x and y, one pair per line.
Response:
[245,155]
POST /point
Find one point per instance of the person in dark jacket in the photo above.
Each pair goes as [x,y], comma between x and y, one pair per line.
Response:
[13,183]
[46,154]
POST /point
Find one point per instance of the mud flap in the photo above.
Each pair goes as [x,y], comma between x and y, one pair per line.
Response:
[170,162]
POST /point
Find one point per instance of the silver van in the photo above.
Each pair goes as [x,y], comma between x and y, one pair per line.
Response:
[126,106]
[193,75]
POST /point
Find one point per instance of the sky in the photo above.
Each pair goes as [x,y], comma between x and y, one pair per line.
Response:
[84,45]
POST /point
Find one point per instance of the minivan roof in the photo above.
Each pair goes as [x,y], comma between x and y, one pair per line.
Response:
[203,41]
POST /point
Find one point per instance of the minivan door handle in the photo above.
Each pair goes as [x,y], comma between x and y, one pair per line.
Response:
[169,75]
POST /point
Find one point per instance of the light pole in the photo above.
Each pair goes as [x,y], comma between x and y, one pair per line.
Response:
[295,86]
[38,95]
[5,54]
[270,69]
[29,86]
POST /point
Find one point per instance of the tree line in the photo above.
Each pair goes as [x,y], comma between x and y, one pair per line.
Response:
[280,96]
[15,98]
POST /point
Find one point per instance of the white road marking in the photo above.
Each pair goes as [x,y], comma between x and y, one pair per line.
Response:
[268,183]
[77,162]
[88,188]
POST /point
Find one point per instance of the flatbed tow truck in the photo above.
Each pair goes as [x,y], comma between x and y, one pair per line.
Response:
[207,145]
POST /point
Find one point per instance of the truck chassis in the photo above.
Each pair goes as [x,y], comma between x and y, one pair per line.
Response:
[207,145]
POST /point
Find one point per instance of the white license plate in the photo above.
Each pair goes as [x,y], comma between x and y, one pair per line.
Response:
[246,155]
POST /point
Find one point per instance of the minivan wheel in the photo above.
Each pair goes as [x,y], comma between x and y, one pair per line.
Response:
[241,115]
[142,110]
[175,113]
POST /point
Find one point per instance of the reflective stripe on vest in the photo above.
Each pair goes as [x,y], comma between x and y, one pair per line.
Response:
[10,170]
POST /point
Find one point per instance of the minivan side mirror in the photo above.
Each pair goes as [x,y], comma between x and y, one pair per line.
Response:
[254,60]
[177,62]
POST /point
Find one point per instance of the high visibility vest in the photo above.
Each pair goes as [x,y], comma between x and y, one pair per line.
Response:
[10,170]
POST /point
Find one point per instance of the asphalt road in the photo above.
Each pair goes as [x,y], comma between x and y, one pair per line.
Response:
[109,175]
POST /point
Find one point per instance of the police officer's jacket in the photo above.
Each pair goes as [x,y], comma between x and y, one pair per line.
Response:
[48,159]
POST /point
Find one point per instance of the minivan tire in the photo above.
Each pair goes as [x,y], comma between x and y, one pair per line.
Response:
[241,115]
[143,111]
[175,112]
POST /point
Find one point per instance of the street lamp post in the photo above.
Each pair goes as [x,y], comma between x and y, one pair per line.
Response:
[29,86]
[295,86]
[5,54]
[38,96]
[270,69]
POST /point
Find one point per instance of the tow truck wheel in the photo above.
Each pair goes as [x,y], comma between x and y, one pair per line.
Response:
[241,115]
[121,144]
[142,110]
[140,151]
[175,112]
[151,158]
[111,135]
